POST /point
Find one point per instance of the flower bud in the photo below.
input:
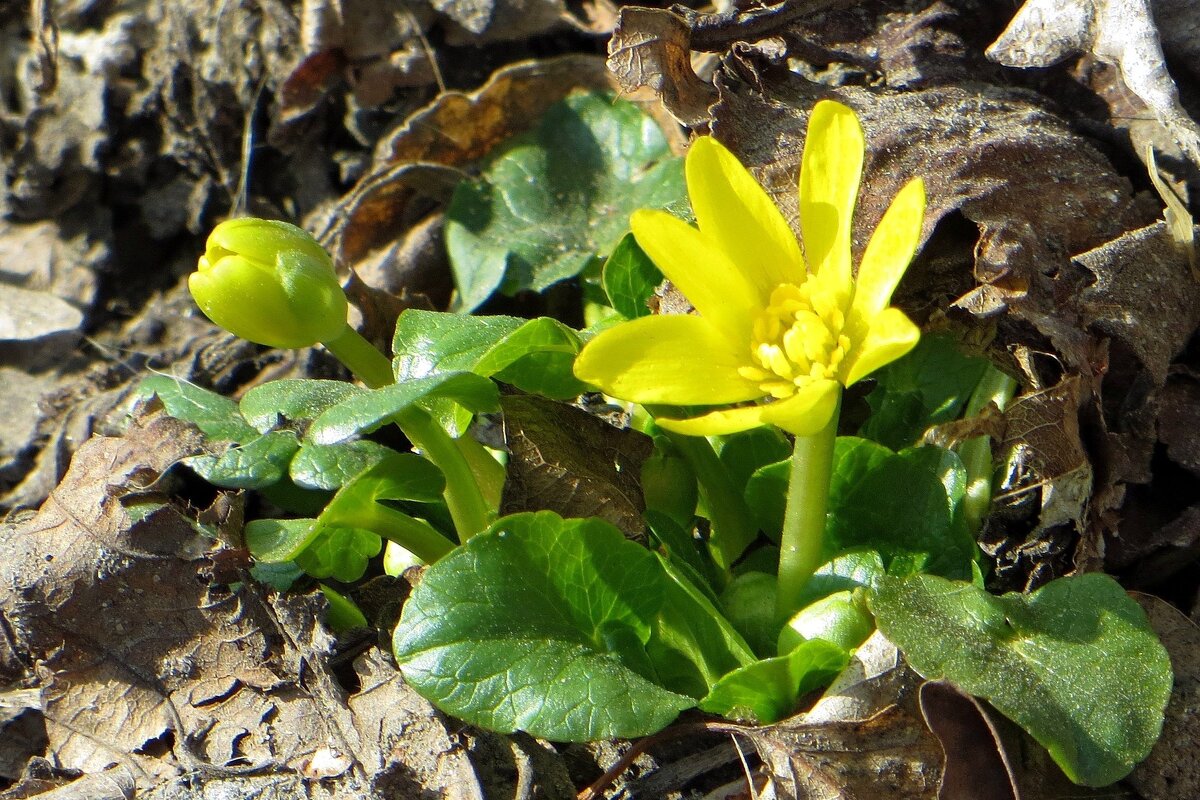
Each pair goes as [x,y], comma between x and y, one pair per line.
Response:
[269,282]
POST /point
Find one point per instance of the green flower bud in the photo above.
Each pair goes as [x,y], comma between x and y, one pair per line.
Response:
[269,282]
[841,618]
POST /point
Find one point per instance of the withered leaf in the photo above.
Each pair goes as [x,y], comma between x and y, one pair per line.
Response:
[976,767]
[568,461]
[1120,32]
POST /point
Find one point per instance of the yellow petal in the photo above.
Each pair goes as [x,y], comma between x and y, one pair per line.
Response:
[891,248]
[829,174]
[707,277]
[804,413]
[890,334]
[807,411]
[735,213]
[674,360]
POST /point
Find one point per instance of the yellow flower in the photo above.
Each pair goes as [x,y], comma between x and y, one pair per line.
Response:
[774,336]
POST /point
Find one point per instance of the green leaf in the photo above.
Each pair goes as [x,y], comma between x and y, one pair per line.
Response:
[856,569]
[264,405]
[366,412]
[343,614]
[766,496]
[534,355]
[768,690]
[630,278]
[258,463]
[331,466]
[396,476]
[903,505]
[693,645]
[216,416]
[927,387]
[1075,663]
[529,626]
[551,202]
[339,553]
[274,541]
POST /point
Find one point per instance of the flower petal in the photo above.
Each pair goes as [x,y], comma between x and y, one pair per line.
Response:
[735,213]
[807,411]
[723,295]
[675,360]
[890,335]
[829,174]
[891,248]
[804,413]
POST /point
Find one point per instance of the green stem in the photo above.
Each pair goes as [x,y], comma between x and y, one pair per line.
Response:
[414,535]
[997,388]
[733,526]
[804,520]
[468,508]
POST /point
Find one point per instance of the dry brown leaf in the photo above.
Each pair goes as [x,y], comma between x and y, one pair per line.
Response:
[478,21]
[864,740]
[976,767]
[1120,32]
[651,49]
[569,461]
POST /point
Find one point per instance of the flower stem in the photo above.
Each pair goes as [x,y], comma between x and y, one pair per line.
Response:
[996,388]
[414,535]
[468,508]
[733,528]
[804,520]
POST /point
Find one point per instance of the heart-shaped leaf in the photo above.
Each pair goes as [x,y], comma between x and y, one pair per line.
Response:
[365,412]
[259,462]
[630,278]
[305,399]
[552,201]
[217,416]
[532,626]
[1075,663]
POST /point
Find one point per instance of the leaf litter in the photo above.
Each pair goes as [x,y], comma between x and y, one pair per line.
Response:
[1042,228]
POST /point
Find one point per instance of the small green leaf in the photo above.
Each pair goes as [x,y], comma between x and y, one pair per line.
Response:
[215,415]
[903,505]
[630,278]
[342,615]
[1075,663]
[274,541]
[768,690]
[516,630]
[332,466]
[294,400]
[339,553]
[929,386]
[366,412]
[549,203]
[258,463]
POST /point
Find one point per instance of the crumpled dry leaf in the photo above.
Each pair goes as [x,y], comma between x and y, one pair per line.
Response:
[144,661]
[568,461]
[976,767]
[1120,32]
[477,21]
[863,739]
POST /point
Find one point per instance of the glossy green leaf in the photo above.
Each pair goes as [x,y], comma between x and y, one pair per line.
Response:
[260,462]
[903,505]
[768,690]
[630,278]
[366,412]
[1075,663]
[265,405]
[274,541]
[217,416]
[929,386]
[532,625]
[692,644]
[534,355]
[551,202]
[331,466]
[343,614]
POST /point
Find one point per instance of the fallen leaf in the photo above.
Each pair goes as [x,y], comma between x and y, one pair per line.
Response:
[568,461]
[976,767]
[1120,32]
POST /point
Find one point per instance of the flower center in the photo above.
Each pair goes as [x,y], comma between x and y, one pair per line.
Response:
[796,340]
